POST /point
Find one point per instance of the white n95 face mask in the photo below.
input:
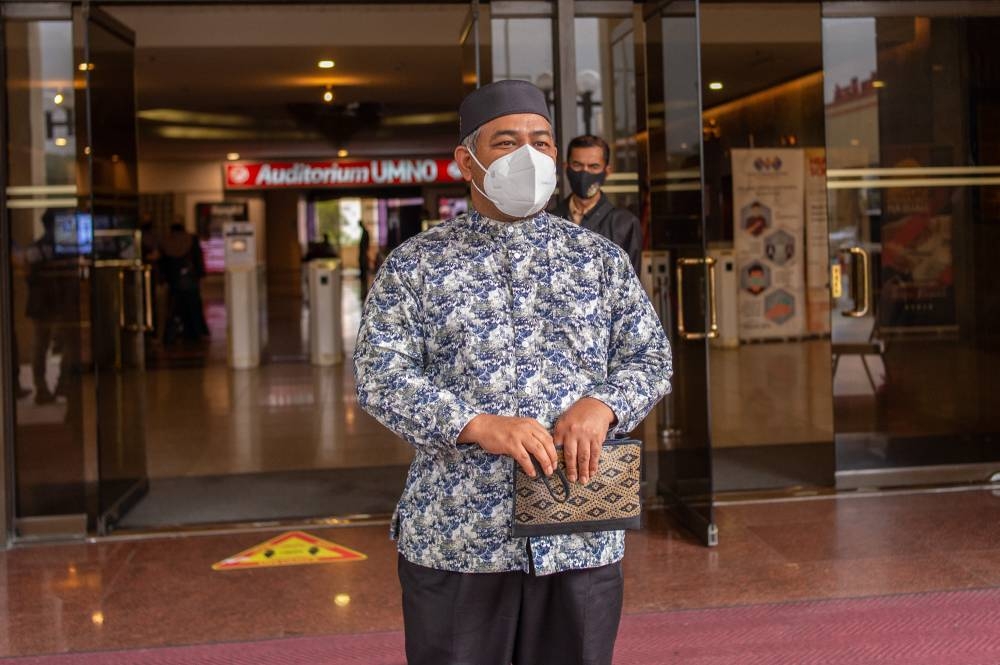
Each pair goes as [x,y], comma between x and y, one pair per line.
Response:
[520,183]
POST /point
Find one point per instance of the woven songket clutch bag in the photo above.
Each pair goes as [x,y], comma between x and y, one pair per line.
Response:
[610,501]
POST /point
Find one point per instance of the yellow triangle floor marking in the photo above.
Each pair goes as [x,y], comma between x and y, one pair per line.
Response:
[294,548]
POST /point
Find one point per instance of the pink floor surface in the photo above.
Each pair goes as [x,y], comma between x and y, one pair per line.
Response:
[953,628]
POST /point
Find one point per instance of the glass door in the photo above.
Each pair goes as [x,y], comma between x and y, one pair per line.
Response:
[912,99]
[766,227]
[78,301]
[120,285]
[683,274]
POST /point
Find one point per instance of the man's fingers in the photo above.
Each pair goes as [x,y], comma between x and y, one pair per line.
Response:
[537,449]
[569,457]
[583,461]
[550,451]
[595,457]
[523,459]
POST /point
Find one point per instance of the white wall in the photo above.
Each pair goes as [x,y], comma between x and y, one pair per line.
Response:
[194,182]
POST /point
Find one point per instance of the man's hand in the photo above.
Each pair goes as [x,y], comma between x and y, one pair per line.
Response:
[581,431]
[519,438]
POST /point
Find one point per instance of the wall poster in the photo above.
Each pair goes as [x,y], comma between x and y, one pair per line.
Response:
[769,239]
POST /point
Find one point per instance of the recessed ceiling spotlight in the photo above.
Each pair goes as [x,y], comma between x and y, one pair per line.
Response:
[86,66]
[326,64]
[61,142]
[232,156]
[715,85]
[328,96]
[342,153]
[878,84]
[58,99]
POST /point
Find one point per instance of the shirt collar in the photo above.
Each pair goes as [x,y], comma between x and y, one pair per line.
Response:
[497,229]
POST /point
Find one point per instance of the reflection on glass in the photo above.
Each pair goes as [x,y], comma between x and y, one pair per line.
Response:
[605,82]
[914,209]
[48,242]
[522,49]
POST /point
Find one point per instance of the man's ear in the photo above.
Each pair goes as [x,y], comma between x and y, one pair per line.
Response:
[464,160]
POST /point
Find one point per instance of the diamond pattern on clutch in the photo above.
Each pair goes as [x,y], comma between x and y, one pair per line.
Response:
[613,495]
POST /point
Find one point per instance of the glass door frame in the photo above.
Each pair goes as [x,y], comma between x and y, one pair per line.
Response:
[120,293]
[674,217]
[90,513]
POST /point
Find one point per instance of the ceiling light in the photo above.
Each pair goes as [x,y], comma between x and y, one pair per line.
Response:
[328,95]
[342,153]
[715,85]
[232,156]
[61,141]
[326,64]
[878,84]
[86,67]
[182,116]
[58,99]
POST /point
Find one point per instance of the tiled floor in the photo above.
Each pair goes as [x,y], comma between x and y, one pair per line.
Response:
[120,594]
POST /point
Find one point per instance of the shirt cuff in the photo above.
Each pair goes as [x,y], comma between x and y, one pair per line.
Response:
[453,418]
[612,398]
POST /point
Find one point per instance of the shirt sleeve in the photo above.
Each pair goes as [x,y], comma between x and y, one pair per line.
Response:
[639,360]
[389,369]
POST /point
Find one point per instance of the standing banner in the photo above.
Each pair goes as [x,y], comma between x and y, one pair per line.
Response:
[817,244]
[917,262]
[768,235]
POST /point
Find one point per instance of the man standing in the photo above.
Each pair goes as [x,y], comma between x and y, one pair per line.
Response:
[485,342]
[587,165]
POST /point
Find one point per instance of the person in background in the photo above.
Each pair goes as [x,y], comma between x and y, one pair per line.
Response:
[320,249]
[363,260]
[587,166]
[182,267]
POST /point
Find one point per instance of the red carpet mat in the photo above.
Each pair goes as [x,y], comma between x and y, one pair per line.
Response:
[955,628]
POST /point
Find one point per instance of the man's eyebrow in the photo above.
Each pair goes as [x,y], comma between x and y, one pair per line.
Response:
[514,133]
[503,132]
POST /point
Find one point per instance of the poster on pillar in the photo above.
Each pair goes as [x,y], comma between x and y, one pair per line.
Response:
[768,238]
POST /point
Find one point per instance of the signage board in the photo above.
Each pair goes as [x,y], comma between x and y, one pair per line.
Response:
[340,173]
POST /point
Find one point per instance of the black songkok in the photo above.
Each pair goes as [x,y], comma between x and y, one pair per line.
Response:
[498,99]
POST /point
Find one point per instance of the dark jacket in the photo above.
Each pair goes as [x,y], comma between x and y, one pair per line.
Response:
[616,224]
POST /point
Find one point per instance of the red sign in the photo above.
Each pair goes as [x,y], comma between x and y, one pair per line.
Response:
[373,173]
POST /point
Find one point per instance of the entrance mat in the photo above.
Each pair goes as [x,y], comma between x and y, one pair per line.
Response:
[950,628]
[276,495]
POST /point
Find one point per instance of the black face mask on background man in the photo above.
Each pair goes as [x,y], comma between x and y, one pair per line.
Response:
[585,184]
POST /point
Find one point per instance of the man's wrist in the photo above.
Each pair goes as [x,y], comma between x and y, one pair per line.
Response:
[612,417]
[470,433]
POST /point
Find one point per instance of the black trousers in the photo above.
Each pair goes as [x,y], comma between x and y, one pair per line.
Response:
[568,618]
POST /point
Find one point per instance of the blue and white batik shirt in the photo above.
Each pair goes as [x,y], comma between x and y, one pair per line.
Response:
[513,319]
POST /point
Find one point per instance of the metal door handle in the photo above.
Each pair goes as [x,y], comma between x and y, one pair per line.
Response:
[863,294]
[146,322]
[147,303]
[713,313]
